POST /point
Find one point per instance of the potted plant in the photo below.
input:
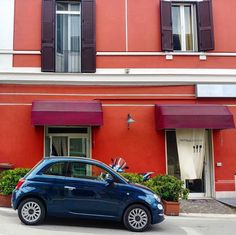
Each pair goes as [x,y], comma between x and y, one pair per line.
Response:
[170,189]
[8,181]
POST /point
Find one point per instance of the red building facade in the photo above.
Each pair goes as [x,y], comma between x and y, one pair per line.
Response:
[129,57]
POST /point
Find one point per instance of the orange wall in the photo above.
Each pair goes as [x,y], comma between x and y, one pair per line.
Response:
[27,30]
[141,146]
[143,34]
[21,143]
[143,25]
[224,25]
[225,152]
[110,25]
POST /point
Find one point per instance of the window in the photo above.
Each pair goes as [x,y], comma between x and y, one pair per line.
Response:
[87,171]
[68,33]
[184,27]
[187,26]
[58,169]
[67,141]
[68,36]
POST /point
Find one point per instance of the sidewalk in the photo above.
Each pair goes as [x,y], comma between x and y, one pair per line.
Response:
[205,206]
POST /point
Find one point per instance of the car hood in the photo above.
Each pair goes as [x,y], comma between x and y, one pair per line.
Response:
[142,187]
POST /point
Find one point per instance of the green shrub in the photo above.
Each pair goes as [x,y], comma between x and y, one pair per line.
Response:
[133,177]
[10,178]
[167,187]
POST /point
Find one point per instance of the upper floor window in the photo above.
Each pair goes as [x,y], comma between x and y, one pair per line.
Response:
[187,26]
[184,27]
[68,36]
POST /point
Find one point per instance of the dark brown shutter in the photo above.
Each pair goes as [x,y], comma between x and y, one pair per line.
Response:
[166,26]
[48,36]
[205,26]
[88,44]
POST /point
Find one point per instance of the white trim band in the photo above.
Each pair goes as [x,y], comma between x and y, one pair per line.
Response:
[12,52]
[152,53]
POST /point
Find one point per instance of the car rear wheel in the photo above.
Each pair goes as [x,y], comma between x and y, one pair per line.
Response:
[31,211]
[137,218]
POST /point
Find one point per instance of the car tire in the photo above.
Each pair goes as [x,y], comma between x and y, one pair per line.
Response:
[31,211]
[137,218]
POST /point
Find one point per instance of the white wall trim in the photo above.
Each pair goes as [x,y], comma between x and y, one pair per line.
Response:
[94,95]
[126,27]
[121,77]
[226,194]
[6,32]
[15,104]
[153,53]
[13,52]
[131,53]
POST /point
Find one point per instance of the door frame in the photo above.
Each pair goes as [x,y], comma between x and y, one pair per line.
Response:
[87,135]
[209,180]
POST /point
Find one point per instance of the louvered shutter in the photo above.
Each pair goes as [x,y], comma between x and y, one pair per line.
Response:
[88,44]
[48,36]
[205,26]
[166,26]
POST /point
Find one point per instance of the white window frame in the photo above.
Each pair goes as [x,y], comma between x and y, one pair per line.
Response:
[70,136]
[182,26]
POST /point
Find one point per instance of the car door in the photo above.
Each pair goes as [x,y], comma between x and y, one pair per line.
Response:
[50,184]
[87,193]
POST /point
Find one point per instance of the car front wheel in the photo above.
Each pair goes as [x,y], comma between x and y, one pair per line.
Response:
[137,218]
[31,211]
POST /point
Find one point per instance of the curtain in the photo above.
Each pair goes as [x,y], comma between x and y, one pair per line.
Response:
[191,151]
[59,146]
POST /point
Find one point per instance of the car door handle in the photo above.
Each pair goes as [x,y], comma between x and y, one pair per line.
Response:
[69,187]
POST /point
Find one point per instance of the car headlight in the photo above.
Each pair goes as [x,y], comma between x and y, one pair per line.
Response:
[157,198]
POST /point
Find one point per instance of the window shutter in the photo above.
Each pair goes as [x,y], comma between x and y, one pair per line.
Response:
[166,26]
[205,26]
[48,36]
[88,44]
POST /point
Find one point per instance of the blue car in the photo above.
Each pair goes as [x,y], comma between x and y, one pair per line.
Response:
[84,188]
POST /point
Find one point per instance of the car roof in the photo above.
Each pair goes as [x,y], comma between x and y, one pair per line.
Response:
[66,158]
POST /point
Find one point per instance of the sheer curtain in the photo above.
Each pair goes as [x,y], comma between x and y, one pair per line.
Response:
[59,146]
[191,151]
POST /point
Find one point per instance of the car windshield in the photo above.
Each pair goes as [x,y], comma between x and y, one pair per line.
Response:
[111,169]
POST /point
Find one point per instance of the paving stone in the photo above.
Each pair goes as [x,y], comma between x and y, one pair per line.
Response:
[209,206]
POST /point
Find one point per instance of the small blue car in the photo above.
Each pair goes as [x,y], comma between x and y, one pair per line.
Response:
[84,188]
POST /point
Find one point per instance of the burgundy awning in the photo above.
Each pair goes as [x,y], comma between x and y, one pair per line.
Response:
[64,113]
[193,116]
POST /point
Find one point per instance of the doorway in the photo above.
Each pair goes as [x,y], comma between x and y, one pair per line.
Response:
[67,141]
[200,184]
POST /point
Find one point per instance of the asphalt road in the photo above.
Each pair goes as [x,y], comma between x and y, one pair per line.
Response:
[11,225]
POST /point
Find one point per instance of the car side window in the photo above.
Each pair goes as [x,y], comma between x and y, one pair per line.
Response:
[58,169]
[88,171]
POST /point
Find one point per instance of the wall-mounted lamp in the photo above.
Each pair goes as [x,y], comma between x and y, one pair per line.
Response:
[130,120]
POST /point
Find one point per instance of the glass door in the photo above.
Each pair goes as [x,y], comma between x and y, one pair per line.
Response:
[198,184]
[67,141]
[78,147]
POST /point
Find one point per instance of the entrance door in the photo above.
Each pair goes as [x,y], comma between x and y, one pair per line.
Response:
[199,185]
[67,141]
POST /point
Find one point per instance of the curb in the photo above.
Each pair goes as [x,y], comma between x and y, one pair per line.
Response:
[6,209]
[186,215]
[206,215]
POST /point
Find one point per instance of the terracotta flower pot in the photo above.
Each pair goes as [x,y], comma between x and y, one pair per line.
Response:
[5,200]
[171,208]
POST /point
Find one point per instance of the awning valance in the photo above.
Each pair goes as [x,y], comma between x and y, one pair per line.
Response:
[193,116]
[64,113]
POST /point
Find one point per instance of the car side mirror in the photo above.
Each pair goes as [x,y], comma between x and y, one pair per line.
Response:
[109,179]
